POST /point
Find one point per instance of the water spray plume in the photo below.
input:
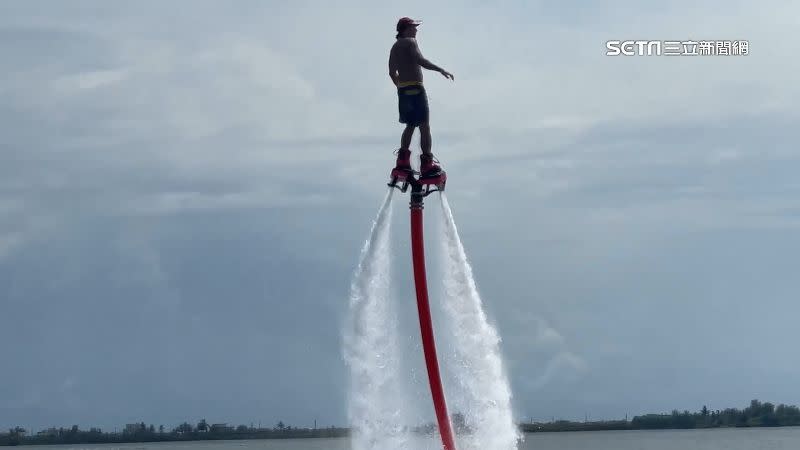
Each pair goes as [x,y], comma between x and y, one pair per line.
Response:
[370,345]
[479,364]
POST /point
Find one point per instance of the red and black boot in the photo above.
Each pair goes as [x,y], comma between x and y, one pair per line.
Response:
[402,172]
[428,167]
[403,160]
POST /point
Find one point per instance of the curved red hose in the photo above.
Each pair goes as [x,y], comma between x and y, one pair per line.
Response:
[426,326]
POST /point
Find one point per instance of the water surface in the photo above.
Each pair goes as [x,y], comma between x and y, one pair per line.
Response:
[786,438]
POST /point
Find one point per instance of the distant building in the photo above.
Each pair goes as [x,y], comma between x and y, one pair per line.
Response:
[220,428]
[132,428]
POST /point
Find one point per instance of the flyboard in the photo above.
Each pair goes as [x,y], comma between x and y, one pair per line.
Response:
[421,187]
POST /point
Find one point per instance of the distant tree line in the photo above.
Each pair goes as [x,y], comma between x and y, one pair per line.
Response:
[567,425]
[758,414]
[149,433]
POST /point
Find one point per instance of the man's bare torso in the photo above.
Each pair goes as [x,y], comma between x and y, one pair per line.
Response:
[404,56]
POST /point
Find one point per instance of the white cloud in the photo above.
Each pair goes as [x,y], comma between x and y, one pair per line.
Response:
[546,352]
[564,365]
[69,84]
[176,202]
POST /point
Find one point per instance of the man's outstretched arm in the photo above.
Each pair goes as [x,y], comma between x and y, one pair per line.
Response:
[422,61]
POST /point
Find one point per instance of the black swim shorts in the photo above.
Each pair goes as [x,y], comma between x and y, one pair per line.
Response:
[412,103]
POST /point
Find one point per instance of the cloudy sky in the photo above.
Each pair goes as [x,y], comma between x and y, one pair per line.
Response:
[185,187]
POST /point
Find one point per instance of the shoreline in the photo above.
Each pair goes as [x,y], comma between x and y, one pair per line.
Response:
[338,433]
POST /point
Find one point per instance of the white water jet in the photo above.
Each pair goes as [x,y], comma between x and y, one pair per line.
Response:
[478,367]
[370,346]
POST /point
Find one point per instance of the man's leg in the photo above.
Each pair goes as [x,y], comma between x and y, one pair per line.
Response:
[427,166]
[404,153]
[404,108]
[405,140]
[425,138]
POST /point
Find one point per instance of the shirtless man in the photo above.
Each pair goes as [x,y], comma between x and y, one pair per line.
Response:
[405,69]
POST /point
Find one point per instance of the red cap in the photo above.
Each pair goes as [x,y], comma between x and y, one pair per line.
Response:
[406,22]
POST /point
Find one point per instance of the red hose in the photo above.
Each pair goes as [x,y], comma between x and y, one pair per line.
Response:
[426,326]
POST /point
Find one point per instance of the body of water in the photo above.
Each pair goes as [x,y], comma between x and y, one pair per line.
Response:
[787,438]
